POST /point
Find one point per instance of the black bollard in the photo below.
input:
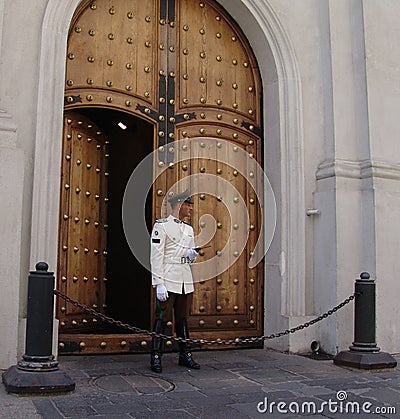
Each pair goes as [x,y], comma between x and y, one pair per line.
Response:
[38,371]
[364,352]
[39,321]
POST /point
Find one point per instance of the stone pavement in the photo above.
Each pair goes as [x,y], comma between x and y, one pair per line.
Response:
[253,383]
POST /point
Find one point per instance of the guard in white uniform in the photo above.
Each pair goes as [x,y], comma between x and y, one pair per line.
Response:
[172,252]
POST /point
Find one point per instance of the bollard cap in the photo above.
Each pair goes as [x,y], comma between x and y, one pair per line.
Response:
[365,278]
[41,270]
[42,266]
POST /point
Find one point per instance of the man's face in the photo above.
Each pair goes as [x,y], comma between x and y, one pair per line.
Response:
[185,210]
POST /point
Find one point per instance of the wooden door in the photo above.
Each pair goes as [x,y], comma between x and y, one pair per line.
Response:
[83,225]
[185,67]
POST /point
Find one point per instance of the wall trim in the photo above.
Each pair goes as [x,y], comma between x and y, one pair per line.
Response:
[363,169]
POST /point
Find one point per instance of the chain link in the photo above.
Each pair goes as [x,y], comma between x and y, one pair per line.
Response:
[218,341]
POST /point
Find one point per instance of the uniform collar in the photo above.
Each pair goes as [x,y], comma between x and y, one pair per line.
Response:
[175,219]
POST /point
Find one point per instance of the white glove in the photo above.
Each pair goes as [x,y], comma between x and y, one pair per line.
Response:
[191,254]
[162,293]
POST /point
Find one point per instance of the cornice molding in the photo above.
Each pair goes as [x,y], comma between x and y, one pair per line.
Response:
[363,169]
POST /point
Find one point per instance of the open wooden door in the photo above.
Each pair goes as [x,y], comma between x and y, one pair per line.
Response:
[185,68]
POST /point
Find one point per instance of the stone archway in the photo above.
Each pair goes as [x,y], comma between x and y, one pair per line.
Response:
[284,120]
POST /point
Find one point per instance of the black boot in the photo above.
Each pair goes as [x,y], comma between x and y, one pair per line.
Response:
[157,347]
[185,356]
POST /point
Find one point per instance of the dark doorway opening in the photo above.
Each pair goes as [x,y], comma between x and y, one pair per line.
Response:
[128,288]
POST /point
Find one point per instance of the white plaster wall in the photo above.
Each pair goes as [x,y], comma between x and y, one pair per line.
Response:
[20,45]
[382,33]
[11,183]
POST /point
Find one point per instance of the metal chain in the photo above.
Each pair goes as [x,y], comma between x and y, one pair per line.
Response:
[203,341]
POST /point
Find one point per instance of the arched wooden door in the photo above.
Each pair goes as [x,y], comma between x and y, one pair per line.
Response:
[185,67]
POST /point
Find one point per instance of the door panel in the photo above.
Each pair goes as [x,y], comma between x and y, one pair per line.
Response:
[83,224]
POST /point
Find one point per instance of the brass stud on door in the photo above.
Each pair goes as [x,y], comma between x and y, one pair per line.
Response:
[129,40]
[219,281]
[66,217]
[66,186]
[236,322]
[77,190]
[75,278]
[202,322]
[143,343]
[123,344]
[219,322]
[219,307]
[103,345]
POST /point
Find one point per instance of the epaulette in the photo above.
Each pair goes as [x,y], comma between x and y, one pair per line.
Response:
[162,220]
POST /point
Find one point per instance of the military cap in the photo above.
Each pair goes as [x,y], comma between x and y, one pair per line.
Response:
[181,197]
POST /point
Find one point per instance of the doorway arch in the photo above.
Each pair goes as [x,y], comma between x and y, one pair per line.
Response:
[262,27]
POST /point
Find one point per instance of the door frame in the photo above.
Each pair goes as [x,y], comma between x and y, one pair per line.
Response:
[282,92]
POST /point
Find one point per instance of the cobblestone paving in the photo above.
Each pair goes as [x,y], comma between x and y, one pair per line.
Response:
[253,383]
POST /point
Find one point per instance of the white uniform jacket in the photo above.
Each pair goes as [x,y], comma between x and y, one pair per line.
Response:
[170,239]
